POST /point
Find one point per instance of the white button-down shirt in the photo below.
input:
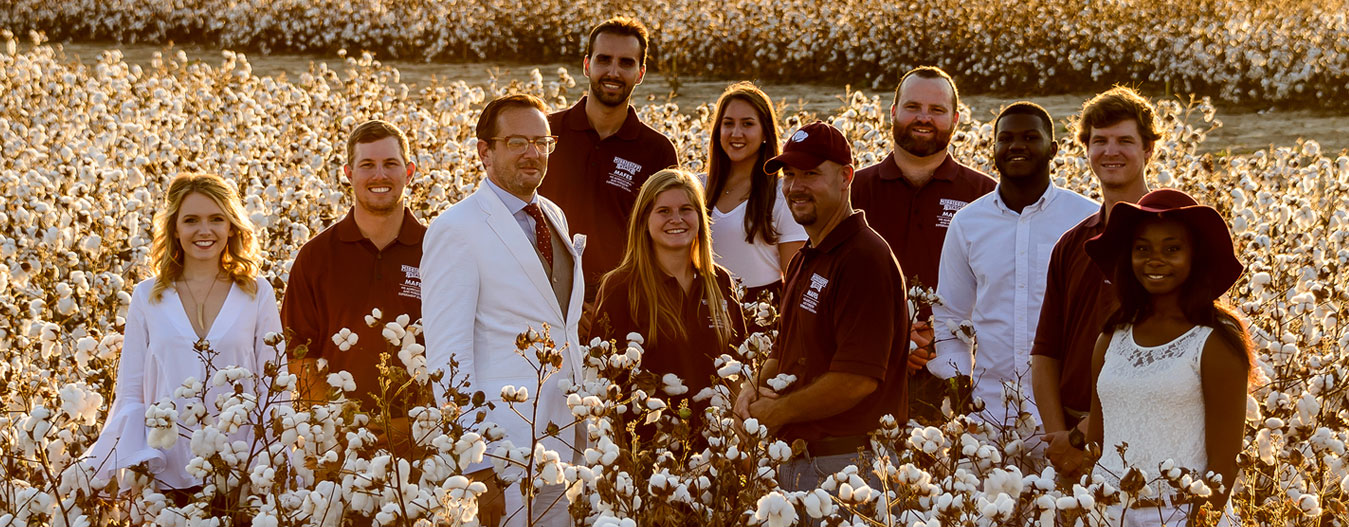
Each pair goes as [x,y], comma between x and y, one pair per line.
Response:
[992,274]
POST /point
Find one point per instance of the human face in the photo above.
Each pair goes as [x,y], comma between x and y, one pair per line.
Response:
[614,68]
[923,118]
[378,176]
[1117,154]
[673,223]
[519,173]
[203,228]
[816,193]
[740,132]
[1022,146]
[1161,256]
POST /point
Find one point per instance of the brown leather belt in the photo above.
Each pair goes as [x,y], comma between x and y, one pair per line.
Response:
[833,446]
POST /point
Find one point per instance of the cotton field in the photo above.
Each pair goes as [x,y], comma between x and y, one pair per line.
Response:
[89,148]
[1293,52]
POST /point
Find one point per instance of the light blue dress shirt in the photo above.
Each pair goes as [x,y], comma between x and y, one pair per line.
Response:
[517,208]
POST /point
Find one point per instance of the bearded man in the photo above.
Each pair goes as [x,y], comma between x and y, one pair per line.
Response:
[910,198]
[604,152]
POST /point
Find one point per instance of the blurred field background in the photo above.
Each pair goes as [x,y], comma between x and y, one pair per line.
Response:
[93,131]
[1276,71]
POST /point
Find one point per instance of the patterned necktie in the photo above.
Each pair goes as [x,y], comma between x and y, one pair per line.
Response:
[543,238]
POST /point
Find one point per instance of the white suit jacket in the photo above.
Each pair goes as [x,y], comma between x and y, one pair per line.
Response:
[482,285]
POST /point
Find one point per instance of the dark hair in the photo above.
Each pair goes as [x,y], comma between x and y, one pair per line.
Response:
[1196,300]
[622,26]
[1027,108]
[1115,106]
[930,72]
[487,121]
[763,187]
[374,130]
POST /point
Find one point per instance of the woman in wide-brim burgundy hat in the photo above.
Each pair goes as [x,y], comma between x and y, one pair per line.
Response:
[1172,368]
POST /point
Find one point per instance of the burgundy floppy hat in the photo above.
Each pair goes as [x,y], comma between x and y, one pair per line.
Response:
[1208,227]
[813,144]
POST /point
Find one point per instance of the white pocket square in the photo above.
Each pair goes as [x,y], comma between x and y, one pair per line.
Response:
[578,241]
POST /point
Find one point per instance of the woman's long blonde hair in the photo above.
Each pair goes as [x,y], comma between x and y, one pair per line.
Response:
[645,289]
[239,259]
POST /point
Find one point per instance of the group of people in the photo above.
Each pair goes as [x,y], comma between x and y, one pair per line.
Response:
[585,223]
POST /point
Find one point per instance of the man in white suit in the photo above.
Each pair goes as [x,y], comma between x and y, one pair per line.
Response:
[493,265]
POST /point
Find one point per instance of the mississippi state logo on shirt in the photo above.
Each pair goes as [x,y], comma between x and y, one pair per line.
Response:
[712,323]
[412,282]
[949,207]
[810,300]
[623,174]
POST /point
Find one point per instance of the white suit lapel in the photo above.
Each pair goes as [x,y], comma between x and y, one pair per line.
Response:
[513,237]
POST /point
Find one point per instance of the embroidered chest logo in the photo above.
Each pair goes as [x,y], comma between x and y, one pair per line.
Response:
[949,207]
[810,301]
[712,322]
[623,174]
[412,282]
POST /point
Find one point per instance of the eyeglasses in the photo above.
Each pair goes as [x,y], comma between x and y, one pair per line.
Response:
[516,144]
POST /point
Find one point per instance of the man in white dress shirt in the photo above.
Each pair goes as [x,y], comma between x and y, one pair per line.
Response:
[493,265]
[994,261]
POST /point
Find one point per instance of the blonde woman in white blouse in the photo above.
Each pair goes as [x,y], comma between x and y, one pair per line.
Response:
[206,288]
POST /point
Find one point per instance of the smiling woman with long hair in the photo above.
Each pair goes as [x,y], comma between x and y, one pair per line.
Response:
[753,234]
[1172,369]
[668,290]
[206,290]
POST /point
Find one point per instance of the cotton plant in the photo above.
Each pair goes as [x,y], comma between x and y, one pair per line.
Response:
[1235,50]
[90,149]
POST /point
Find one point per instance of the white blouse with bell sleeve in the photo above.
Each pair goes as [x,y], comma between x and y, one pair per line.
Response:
[158,354]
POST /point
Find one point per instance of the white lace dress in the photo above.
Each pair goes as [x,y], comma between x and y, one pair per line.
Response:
[1152,399]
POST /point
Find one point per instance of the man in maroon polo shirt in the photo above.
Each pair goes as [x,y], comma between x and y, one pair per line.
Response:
[604,153]
[1118,129]
[844,320]
[910,198]
[367,260]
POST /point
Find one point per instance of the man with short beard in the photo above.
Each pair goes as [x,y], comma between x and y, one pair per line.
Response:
[910,198]
[604,152]
[994,261]
[844,320]
[1119,129]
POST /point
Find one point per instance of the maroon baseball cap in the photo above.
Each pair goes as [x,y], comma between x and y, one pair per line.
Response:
[813,144]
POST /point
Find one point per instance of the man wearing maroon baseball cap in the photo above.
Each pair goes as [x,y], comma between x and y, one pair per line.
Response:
[840,339]
[813,144]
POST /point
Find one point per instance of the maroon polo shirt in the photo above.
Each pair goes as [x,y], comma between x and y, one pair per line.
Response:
[692,356]
[913,220]
[595,181]
[1078,299]
[844,309]
[337,279]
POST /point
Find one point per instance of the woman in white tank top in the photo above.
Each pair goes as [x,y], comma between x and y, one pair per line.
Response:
[1172,369]
[753,234]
